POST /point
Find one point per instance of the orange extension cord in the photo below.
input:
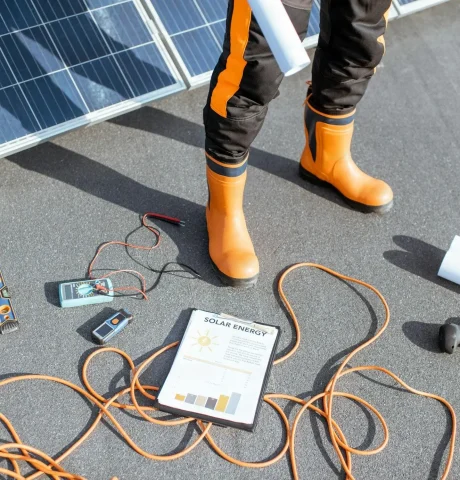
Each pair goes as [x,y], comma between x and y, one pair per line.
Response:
[45,465]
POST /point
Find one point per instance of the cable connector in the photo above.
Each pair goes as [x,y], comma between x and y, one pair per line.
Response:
[166,218]
[100,289]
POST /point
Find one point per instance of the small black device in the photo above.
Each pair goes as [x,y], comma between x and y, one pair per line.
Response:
[449,337]
[112,327]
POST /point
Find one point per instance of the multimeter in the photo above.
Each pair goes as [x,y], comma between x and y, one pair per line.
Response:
[112,327]
[8,321]
[85,292]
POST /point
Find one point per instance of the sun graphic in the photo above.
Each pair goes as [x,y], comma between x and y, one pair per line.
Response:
[204,341]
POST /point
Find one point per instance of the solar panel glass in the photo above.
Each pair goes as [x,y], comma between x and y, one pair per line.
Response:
[63,61]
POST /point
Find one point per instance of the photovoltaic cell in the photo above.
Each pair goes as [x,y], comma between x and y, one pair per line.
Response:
[198,49]
[53,99]
[16,117]
[67,60]
[214,11]
[89,78]
[30,53]
[195,31]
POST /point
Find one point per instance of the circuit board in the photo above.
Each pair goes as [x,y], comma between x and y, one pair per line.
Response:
[8,320]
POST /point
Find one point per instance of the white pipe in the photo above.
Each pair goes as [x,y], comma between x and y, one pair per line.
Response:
[281,35]
[450,267]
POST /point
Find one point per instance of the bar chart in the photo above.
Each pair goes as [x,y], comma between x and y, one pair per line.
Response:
[224,403]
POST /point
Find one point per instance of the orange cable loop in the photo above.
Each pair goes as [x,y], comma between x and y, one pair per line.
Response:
[45,465]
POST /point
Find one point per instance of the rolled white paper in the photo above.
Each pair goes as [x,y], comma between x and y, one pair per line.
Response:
[450,266]
[281,35]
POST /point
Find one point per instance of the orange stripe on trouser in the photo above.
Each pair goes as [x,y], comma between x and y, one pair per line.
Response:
[381,39]
[229,80]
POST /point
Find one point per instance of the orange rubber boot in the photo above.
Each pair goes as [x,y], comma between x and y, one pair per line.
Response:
[230,246]
[326,160]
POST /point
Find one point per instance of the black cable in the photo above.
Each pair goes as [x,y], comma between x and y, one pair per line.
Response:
[163,271]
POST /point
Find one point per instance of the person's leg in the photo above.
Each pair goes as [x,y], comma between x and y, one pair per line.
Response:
[244,82]
[350,47]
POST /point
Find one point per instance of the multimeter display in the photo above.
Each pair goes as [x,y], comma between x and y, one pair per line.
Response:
[85,292]
[104,330]
[79,290]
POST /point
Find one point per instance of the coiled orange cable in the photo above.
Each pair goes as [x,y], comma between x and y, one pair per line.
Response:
[45,465]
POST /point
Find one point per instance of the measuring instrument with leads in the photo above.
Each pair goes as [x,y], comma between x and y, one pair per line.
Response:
[85,292]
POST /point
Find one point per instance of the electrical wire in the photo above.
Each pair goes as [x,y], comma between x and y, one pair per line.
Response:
[45,465]
[143,290]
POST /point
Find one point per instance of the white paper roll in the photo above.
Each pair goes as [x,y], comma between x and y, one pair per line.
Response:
[450,266]
[281,35]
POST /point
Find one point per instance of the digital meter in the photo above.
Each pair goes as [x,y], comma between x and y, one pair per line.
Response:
[85,292]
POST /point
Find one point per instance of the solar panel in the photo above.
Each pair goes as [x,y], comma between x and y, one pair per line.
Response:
[406,7]
[68,63]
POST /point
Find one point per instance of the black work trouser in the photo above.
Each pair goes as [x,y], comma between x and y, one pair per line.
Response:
[247,76]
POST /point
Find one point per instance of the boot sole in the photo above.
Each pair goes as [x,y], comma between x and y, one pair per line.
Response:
[241,283]
[361,207]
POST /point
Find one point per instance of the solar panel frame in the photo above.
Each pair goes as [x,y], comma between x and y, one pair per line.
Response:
[406,7]
[24,99]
